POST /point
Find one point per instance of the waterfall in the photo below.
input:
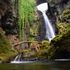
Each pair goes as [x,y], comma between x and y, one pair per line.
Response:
[50,33]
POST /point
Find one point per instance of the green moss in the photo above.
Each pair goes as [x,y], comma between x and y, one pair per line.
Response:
[65,16]
[58,40]
[62,27]
[60,43]
[6,51]
[45,44]
[5,57]
[4,43]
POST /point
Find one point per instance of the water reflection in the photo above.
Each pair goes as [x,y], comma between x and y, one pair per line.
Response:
[37,66]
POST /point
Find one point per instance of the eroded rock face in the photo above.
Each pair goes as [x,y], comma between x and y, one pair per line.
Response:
[58,6]
[7,17]
[55,6]
[4,6]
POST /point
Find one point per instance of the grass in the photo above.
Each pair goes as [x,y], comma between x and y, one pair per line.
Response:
[26,14]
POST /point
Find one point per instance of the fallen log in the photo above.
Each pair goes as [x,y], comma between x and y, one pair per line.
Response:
[23,42]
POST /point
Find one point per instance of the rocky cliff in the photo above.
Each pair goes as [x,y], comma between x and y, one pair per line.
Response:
[8,17]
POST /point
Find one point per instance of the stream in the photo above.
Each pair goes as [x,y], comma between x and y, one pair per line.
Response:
[19,64]
[37,66]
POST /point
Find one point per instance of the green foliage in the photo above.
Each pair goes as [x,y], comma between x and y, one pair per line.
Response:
[63,27]
[65,16]
[4,44]
[40,52]
[5,48]
[6,57]
[60,43]
[62,40]
[26,14]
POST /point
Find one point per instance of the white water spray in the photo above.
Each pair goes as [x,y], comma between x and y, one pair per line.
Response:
[50,33]
[18,60]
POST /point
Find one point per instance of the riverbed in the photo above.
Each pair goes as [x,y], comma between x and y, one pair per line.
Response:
[50,65]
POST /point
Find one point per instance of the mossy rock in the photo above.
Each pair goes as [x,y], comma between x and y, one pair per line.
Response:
[4,43]
[62,27]
[6,51]
[45,44]
[65,16]
[63,39]
[60,43]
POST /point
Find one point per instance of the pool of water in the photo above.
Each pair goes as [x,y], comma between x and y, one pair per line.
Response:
[64,65]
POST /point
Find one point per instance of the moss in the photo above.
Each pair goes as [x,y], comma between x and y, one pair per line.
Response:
[37,50]
[6,57]
[58,40]
[6,51]
[62,40]
[4,43]
[45,43]
[60,43]
[65,16]
[62,27]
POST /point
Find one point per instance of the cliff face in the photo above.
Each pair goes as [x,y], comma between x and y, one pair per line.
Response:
[4,6]
[56,8]
[7,16]
[7,27]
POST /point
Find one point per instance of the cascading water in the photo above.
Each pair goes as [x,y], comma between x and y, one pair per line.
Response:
[50,33]
[18,59]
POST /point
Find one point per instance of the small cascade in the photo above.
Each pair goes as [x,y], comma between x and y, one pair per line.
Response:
[18,59]
[50,33]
